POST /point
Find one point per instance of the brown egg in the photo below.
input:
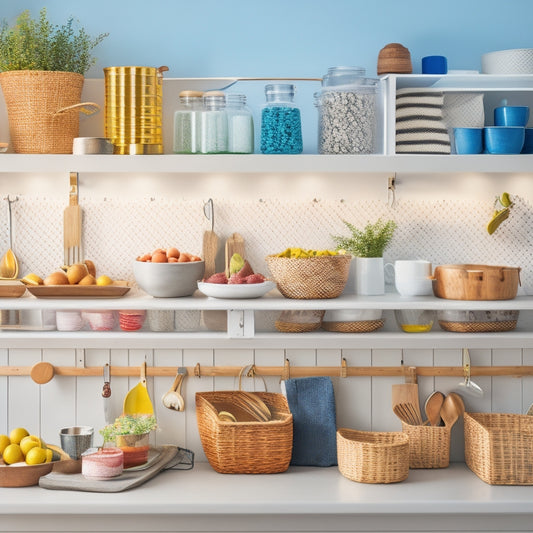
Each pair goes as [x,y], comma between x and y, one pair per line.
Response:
[159,257]
[145,257]
[89,279]
[56,278]
[159,251]
[173,260]
[173,252]
[184,258]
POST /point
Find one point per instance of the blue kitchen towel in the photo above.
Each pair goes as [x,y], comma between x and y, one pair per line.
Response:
[312,404]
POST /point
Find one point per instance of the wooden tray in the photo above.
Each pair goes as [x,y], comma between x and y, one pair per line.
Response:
[78,291]
[11,289]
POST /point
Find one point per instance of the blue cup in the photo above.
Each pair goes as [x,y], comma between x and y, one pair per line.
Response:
[511,115]
[504,139]
[528,142]
[434,65]
[468,140]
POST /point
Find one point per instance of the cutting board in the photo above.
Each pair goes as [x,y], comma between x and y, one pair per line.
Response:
[167,457]
[234,245]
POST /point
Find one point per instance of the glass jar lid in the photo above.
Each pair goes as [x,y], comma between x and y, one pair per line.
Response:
[347,77]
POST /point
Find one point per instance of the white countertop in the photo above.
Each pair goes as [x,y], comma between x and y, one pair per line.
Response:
[303,495]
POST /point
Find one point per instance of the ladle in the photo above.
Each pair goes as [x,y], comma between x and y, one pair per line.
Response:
[172,399]
[467,386]
[433,406]
[9,265]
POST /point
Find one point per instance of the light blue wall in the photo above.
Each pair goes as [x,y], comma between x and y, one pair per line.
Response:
[288,37]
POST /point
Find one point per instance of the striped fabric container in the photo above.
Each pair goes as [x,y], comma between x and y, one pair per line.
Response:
[420,128]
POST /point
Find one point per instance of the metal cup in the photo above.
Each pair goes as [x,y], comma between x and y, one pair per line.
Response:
[76,439]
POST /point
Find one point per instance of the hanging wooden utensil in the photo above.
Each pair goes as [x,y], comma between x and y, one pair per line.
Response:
[72,225]
[234,245]
[9,265]
[210,243]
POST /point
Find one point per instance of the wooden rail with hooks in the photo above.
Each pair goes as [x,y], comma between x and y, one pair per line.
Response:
[43,372]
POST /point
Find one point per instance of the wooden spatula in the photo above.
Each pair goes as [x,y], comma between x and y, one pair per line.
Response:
[210,243]
[406,395]
[72,225]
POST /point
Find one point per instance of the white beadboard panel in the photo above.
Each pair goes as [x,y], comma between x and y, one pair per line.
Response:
[194,385]
[303,357]
[58,405]
[273,357]
[119,385]
[90,406]
[4,428]
[527,382]
[413,357]
[507,390]
[473,403]
[23,393]
[235,358]
[171,424]
[353,395]
[383,419]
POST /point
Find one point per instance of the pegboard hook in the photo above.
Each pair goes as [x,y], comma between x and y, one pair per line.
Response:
[209,212]
[391,190]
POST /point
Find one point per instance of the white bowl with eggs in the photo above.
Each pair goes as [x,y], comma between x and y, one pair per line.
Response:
[168,280]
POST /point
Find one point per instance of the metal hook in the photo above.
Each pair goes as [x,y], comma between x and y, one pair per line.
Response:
[209,212]
[344,369]
[197,371]
[391,191]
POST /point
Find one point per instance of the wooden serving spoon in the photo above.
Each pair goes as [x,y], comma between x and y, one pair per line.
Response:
[452,408]
[433,406]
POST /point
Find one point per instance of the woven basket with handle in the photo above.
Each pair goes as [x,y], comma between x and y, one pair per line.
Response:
[43,109]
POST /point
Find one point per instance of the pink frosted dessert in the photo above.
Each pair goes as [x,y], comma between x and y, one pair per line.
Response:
[103,463]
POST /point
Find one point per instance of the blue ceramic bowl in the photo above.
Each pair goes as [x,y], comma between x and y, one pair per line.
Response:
[528,142]
[504,139]
[468,140]
[511,115]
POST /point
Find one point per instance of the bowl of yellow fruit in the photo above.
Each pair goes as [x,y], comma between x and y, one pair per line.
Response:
[24,458]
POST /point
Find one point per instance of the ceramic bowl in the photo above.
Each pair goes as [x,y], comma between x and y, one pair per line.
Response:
[100,320]
[515,61]
[168,280]
[528,142]
[414,320]
[504,139]
[69,320]
[511,115]
[131,320]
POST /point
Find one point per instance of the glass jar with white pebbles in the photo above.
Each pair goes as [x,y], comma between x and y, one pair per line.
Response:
[346,112]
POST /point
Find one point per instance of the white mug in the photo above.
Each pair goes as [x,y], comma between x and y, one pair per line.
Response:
[412,277]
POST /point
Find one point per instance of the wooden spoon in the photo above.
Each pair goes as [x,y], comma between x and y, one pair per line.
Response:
[173,399]
[9,265]
[452,408]
[433,406]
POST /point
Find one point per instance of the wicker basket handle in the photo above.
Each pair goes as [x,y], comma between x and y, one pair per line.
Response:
[249,371]
[87,108]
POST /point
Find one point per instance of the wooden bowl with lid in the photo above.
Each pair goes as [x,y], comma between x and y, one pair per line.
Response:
[394,58]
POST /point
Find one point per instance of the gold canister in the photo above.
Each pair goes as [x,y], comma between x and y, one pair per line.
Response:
[134,109]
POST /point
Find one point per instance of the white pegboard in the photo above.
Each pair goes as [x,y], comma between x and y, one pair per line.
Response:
[117,230]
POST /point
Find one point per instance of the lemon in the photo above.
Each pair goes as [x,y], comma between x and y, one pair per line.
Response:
[49,455]
[5,441]
[29,442]
[12,454]
[36,456]
[104,280]
[32,279]
[17,435]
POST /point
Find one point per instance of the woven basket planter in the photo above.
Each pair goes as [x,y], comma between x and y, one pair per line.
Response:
[247,447]
[43,110]
[429,446]
[310,277]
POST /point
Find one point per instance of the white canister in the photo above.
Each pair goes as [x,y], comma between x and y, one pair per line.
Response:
[369,276]
[412,277]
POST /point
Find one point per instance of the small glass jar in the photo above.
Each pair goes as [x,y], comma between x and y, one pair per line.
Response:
[240,125]
[346,112]
[214,124]
[281,125]
[187,123]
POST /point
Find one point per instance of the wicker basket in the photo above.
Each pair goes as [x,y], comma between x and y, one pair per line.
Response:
[246,447]
[373,457]
[43,109]
[478,327]
[499,447]
[360,326]
[310,277]
[429,446]
[299,321]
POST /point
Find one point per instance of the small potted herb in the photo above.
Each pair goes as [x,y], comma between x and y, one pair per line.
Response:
[367,247]
[131,434]
[42,69]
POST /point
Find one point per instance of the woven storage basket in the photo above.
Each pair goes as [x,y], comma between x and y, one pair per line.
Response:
[499,447]
[478,327]
[43,109]
[429,446]
[373,457]
[299,321]
[361,326]
[310,277]
[246,447]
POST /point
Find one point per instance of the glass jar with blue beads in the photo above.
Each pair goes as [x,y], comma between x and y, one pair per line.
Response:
[281,123]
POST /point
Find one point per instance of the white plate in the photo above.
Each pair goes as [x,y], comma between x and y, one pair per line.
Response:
[244,290]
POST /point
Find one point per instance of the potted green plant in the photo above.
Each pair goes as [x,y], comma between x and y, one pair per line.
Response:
[367,247]
[42,69]
[131,434]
